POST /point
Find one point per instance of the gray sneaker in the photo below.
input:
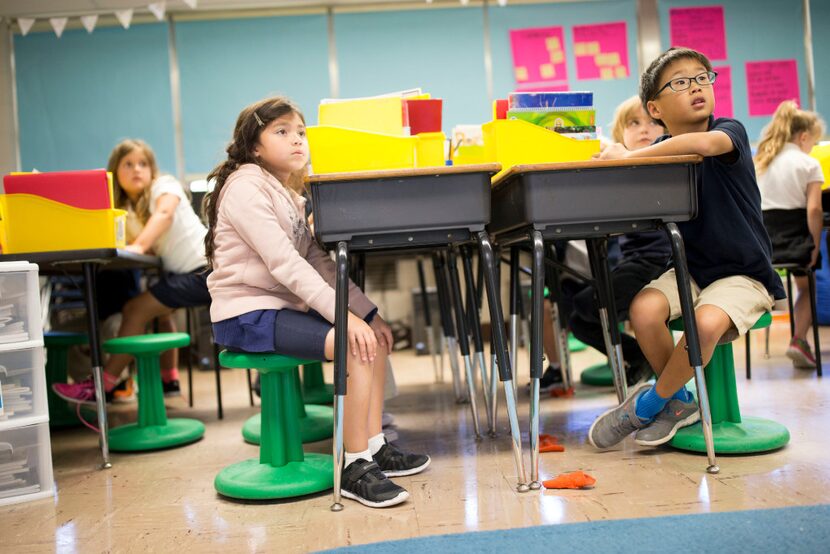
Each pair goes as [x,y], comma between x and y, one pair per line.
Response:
[676,415]
[617,423]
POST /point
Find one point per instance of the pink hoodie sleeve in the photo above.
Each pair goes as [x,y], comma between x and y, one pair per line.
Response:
[254,217]
[359,304]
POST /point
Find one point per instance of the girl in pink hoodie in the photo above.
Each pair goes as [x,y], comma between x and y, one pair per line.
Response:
[272,288]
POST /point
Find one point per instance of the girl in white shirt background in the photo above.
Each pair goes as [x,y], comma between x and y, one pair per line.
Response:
[790,182]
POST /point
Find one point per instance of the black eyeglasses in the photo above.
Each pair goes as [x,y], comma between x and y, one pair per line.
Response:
[680,84]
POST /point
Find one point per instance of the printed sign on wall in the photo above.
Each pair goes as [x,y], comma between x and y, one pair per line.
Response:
[539,58]
[768,83]
[601,51]
[700,29]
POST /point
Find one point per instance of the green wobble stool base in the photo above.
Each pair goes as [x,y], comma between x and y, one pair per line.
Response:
[283,470]
[315,390]
[574,344]
[598,375]
[316,422]
[732,432]
[58,344]
[153,430]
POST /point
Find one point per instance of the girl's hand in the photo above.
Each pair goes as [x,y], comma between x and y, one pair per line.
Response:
[613,152]
[814,256]
[362,339]
[137,248]
[382,331]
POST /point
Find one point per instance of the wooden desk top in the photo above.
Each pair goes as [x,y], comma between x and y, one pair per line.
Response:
[596,164]
[70,260]
[492,169]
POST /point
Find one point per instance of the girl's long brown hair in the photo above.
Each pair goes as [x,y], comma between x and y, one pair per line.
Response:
[142,207]
[249,125]
[787,123]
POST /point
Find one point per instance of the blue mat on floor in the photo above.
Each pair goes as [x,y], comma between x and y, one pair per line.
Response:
[802,529]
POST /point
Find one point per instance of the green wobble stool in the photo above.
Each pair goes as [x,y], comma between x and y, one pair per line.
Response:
[283,470]
[58,344]
[153,429]
[315,389]
[732,432]
[598,375]
[316,422]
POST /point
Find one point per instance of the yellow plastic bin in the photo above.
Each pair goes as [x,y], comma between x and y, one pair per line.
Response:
[337,149]
[512,142]
[430,149]
[470,154]
[35,224]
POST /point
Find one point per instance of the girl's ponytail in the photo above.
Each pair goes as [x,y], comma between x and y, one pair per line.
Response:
[788,122]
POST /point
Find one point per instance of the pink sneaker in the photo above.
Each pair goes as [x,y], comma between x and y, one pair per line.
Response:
[78,393]
[801,354]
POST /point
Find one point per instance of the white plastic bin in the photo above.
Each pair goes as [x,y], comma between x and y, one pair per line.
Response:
[25,466]
[20,317]
[22,378]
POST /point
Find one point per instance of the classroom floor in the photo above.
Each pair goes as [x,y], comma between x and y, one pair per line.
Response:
[165,500]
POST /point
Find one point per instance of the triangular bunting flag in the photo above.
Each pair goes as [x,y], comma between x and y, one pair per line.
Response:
[124,17]
[191,3]
[157,9]
[89,21]
[58,25]
[25,24]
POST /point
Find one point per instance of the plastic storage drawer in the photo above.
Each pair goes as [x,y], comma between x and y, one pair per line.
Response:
[21,378]
[19,307]
[25,466]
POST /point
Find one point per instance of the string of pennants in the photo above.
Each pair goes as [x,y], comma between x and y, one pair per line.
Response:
[124,17]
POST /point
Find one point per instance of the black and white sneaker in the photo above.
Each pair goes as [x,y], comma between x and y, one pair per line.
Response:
[396,463]
[551,379]
[365,482]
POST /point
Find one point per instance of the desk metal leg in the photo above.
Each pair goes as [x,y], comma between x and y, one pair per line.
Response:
[95,355]
[463,343]
[446,301]
[428,319]
[515,289]
[341,330]
[536,319]
[475,325]
[598,253]
[505,374]
[692,341]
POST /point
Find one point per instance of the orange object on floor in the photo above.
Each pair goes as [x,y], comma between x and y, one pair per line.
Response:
[572,480]
[549,443]
[562,392]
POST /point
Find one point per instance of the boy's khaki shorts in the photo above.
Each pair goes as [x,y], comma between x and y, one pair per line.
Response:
[743,299]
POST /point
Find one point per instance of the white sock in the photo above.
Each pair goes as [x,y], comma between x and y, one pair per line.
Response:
[354,456]
[376,443]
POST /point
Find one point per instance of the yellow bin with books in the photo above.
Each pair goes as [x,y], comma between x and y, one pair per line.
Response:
[338,149]
[32,223]
[513,142]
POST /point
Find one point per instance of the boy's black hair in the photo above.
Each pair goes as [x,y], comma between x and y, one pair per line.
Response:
[650,81]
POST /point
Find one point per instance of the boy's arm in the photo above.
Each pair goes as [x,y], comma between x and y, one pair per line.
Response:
[707,144]
[815,216]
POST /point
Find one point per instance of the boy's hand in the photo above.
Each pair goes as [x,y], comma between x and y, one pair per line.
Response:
[382,331]
[613,152]
[362,339]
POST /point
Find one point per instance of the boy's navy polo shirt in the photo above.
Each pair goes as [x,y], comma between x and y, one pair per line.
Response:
[728,237]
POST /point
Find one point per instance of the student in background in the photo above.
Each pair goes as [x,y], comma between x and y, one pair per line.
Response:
[272,288]
[163,222]
[790,182]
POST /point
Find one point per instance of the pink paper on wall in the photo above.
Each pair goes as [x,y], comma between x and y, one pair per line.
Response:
[723,91]
[769,83]
[700,28]
[539,58]
[601,51]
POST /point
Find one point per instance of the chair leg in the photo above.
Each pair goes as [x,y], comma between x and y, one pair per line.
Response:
[790,303]
[748,356]
[811,281]
[218,369]
[189,351]
[250,387]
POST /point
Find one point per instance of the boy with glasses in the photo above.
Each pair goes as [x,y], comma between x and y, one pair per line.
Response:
[727,250]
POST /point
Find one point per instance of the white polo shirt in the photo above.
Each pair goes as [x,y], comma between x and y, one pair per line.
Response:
[784,184]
